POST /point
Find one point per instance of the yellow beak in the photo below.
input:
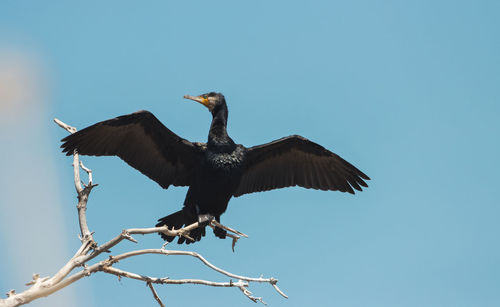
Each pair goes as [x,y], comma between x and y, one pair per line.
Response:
[202,100]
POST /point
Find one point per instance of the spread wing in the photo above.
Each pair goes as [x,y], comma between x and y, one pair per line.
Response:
[293,161]
[142,141]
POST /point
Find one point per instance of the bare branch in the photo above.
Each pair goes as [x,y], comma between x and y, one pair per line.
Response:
[155,295]
[242,285]
[83,193]
[166,280]
[249,295]
[66,127]
[88,170]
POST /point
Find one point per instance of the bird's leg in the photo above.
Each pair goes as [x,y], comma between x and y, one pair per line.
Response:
[205,219]
[219,232]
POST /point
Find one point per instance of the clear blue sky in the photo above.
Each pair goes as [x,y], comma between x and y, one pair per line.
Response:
[408,91]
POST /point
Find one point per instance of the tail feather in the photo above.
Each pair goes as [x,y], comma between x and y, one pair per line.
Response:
[174,221]
[177,220]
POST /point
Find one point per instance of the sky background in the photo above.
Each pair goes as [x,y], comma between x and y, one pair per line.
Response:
[408,91]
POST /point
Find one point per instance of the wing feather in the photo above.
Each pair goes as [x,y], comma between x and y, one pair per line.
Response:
[142,141]
[296,161]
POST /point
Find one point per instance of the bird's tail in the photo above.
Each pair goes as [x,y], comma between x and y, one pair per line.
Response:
[174,221]
[177,220]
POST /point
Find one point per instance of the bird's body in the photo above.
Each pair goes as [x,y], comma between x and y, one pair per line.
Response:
[218,178]
[217,170]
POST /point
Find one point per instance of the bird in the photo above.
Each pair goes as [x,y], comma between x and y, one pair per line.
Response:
[214,171]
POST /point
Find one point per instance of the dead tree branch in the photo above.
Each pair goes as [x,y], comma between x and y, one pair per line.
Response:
[89,249]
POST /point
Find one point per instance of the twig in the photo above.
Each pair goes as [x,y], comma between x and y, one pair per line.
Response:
[66,127]
[155,295]
[89,172]
[250,296]
[234,237]
[228,229]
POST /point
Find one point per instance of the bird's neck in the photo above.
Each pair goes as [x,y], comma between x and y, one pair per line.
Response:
[217,136]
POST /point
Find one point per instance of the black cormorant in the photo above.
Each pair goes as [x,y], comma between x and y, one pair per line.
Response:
[214,171]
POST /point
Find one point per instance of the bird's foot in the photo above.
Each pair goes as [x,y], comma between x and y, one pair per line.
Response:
[215,224]
[219,232]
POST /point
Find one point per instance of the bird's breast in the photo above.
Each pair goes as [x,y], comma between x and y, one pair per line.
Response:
[225,161]
[221,172]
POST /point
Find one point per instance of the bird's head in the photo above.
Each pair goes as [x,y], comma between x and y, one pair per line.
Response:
[213,101]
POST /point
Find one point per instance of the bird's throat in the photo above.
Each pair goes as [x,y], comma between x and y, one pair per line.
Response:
[217,135]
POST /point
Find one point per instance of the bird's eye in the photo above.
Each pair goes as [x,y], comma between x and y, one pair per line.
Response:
[205,96]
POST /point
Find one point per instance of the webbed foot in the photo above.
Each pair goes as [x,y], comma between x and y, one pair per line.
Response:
[219,232]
